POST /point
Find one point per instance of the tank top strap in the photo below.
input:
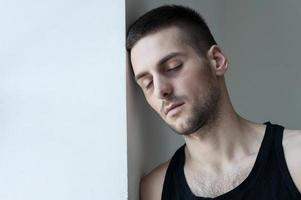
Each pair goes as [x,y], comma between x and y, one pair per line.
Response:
[170,181]
[265,148]
[280,156]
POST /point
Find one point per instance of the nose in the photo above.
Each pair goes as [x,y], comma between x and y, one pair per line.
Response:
[163,88]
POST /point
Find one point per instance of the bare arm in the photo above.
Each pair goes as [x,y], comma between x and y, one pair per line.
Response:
[151,185]
[292,151]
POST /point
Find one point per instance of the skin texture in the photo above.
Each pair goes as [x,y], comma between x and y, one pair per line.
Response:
[219,142]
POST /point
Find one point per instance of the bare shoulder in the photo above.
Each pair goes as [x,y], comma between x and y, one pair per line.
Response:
[292,151]
[292,142]
[151,184]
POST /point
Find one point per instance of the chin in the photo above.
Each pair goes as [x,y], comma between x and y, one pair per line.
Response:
[188,126]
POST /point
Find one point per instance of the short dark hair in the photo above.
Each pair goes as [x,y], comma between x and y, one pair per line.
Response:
[186,19]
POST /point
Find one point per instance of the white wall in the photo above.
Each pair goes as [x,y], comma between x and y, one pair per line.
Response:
[150,141]
[62,100]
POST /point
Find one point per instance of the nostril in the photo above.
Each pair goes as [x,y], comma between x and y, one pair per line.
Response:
[165,94]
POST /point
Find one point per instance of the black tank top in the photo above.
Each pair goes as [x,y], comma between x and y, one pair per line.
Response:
[269,178]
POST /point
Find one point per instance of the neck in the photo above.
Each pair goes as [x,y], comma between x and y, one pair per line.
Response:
[225,139]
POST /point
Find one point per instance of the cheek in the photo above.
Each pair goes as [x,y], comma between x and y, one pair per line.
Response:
[193,85]
[186,81]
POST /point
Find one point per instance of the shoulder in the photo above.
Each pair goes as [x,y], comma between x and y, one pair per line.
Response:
[292,150]
[151,184]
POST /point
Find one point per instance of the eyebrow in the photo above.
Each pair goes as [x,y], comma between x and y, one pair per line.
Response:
[160,62]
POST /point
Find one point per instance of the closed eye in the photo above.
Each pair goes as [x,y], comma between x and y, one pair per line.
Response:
[149,85]
[174,68]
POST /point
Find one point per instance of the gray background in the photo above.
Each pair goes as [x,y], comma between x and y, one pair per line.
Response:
[262,42]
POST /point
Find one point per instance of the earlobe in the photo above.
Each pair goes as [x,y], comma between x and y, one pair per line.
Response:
[218,60]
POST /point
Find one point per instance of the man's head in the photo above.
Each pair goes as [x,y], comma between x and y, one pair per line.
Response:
[194,29]
[177,64]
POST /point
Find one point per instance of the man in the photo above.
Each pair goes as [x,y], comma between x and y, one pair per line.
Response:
[180,69]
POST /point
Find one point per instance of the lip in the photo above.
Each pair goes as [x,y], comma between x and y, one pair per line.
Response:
[172,106]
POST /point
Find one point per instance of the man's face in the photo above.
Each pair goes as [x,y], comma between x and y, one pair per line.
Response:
[177,83]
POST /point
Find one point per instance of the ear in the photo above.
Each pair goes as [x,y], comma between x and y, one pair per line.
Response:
[217,60]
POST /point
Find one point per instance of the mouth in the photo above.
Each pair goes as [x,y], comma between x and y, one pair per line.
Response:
[172,107]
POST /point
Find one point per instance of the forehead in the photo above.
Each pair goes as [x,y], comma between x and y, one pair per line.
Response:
[151,48]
